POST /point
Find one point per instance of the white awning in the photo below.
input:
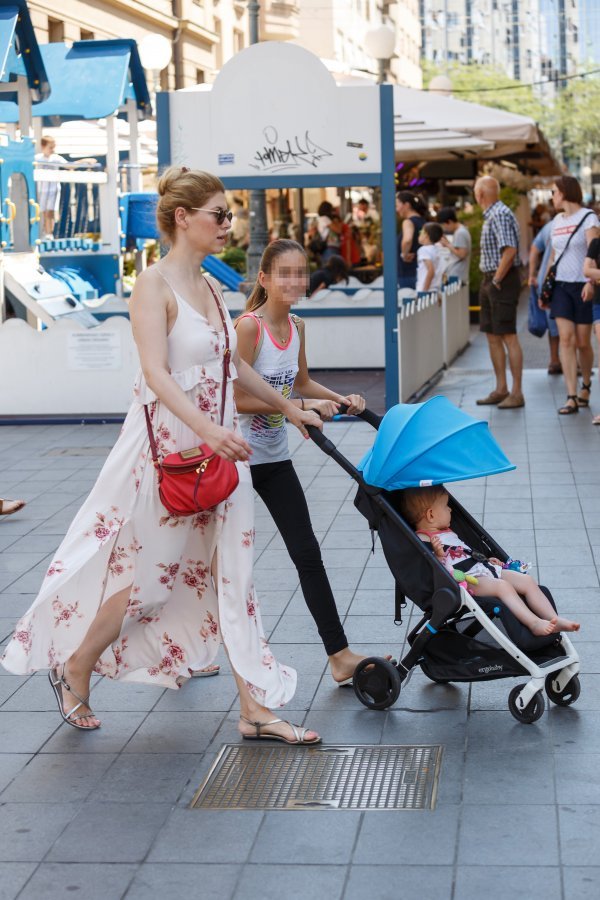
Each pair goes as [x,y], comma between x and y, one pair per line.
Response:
[434,126]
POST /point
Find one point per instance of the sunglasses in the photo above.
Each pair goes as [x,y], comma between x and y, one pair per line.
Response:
[219,214]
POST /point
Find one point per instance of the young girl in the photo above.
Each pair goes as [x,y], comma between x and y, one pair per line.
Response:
[427,510]
[272,341]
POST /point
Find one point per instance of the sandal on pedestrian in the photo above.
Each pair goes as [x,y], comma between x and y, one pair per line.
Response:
[596,420]
[568,409]
[207,672]
[262,735]
[555,369]
[584,401]
[58,683]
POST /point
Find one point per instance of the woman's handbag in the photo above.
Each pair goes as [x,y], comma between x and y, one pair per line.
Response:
[537,322]
[194,480]
[550,279]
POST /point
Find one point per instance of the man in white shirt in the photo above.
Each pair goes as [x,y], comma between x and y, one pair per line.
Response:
[460,247]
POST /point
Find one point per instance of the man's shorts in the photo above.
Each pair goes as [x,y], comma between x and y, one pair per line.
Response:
[567,303]
[498,314]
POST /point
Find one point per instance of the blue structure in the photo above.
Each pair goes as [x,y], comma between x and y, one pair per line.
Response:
[420,444]
[90,80]
[22,66]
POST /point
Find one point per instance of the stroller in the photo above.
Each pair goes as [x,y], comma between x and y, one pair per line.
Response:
[459,637]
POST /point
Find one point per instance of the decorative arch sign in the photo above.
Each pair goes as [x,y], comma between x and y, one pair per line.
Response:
[275,110]
[275,118]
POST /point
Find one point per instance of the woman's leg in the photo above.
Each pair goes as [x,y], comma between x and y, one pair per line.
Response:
[103,631]
[568,354]
[255,712]
[586,357]
[536,600]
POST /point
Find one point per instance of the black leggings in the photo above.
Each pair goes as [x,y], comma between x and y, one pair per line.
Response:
[279,488]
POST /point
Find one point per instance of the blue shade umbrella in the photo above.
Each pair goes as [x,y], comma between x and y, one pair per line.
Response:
[431,443]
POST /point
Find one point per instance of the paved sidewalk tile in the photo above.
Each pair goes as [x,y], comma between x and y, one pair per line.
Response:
[100,881]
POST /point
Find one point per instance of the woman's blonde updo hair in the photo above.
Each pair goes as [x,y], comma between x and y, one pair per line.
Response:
[180,186]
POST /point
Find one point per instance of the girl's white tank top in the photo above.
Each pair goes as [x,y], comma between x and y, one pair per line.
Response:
[277,364]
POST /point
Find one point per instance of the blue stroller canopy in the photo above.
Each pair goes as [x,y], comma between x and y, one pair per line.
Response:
[431,443]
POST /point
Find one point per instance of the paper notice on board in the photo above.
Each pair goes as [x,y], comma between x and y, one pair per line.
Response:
[94,350]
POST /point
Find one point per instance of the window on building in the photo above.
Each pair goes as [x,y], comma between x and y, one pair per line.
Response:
[200,76]
[238,40]
[86,35]
[56,31]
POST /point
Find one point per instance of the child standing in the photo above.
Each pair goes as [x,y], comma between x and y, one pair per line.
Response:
[430,264]
[273,343]
[427,510]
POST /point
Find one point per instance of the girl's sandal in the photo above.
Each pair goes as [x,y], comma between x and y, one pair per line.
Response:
[568,409]
[596,420]
[584,401]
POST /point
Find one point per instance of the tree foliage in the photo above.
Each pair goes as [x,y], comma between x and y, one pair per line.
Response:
[570,120]
[487,86]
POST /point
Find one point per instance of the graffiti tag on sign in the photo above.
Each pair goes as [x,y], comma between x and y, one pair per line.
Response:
[288,153]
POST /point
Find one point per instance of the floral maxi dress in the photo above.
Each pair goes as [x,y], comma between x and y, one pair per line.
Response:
[123,537]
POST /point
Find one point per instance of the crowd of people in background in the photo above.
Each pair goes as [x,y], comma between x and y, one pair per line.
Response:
[435,248]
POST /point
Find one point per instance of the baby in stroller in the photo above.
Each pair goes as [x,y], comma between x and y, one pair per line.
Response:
[428,511]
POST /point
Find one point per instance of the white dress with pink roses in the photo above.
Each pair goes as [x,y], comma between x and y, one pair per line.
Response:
[123,536]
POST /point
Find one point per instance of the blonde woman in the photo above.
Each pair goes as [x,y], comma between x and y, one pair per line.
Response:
[137,594]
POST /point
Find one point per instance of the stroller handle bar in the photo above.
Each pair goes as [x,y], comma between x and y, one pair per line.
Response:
[329,447]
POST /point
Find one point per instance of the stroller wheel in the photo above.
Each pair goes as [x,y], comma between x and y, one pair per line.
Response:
[570,692]
[376,682]
[532,712]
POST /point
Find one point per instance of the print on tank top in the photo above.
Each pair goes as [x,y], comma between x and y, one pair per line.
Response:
[266,428]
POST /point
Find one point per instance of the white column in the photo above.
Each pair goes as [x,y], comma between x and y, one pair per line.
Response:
[134,180]
[109,192]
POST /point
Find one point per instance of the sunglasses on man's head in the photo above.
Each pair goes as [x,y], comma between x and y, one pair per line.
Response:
[219,214]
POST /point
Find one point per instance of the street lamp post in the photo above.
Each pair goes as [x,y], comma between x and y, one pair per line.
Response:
[259,232]
[380,43]
[155,55]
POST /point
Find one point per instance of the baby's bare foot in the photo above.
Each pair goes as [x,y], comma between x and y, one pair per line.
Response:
[567,625]
[543,627]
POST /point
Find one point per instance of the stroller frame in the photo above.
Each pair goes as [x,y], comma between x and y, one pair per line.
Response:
[377,682]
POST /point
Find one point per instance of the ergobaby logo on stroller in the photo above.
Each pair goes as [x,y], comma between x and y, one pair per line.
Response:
[486,669]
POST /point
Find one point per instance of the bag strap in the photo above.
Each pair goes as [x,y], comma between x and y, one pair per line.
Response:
[226,375]
[226,352]
[153,447]
[572,235]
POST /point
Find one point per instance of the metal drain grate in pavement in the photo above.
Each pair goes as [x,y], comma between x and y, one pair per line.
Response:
[342,777]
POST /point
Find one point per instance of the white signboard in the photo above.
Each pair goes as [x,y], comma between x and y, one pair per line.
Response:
[274,109]
[94,350]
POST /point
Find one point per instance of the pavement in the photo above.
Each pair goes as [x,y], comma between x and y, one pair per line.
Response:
[106,815]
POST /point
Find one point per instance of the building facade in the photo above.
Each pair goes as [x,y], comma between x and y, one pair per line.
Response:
[206,33]
[530,42]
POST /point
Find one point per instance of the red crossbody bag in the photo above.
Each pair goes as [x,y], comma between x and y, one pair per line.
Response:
[194,480]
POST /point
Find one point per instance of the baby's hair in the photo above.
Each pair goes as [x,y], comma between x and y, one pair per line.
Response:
[414,502]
